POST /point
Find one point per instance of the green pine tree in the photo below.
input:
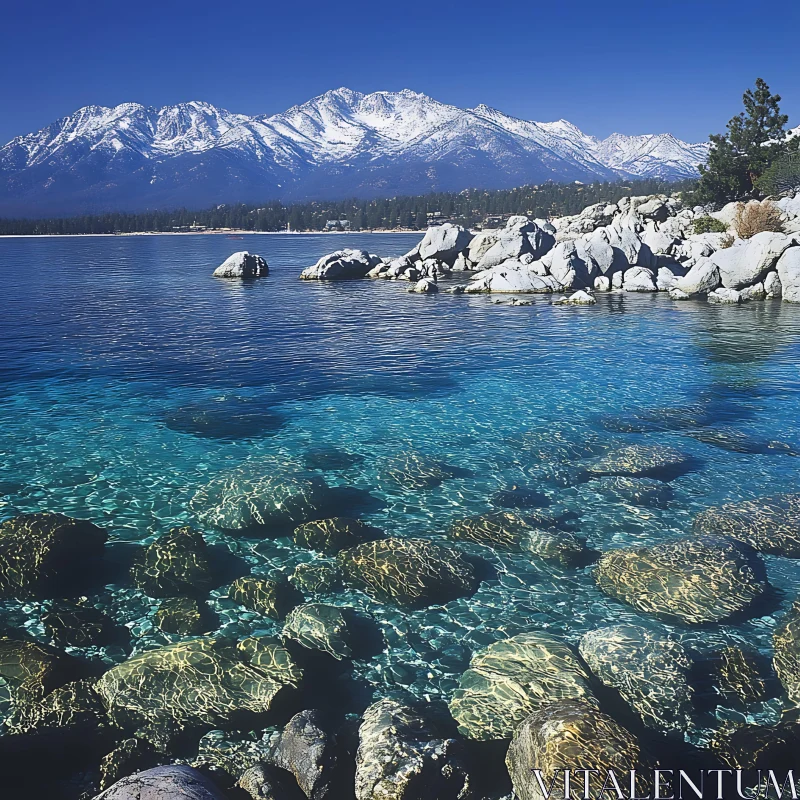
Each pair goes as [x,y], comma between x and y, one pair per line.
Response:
[755,138]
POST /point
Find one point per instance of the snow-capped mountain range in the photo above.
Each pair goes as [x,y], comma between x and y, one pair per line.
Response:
[340,144]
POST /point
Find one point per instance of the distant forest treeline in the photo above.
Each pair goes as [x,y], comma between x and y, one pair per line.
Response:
[470,208]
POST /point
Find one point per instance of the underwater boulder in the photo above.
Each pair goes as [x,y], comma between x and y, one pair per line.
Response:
[504,530]
[271,598]
[559,547]
[72,710]
[640,460]
[647,492]
[30,670]
[41,553]
[78,624]
[648,669]
[316,577]
[694,580]
[738,677]
[339,631]
[786,645]
[176,564]
[329,536]
[769,524]
[512,678]
[570,735]
[406,752]
[197,683]
[226,418]
[129,756]
[408,572]
[256,496]
[181,616]
[417,472]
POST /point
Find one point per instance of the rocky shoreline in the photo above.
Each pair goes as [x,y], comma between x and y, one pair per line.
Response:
[640,244]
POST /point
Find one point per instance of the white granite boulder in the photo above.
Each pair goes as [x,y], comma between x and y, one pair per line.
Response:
[702,278]
[789,273]
[519,237]
[341,265]
[242,265]
[749,259]
[444,242]
[725,297]
[639,279]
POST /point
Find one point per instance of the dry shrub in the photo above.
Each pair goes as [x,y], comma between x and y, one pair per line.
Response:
[754,217]
[726,241]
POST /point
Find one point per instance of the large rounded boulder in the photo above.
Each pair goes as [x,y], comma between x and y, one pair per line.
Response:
[198,683]
[705,579]
[511,679]
[341,265]
[41,553]
[253,497]
[332,535]
[569,735]
[444,243]
[648,669]
[341,632]
[639,460]
[769,524]
[408,572]
[174,565]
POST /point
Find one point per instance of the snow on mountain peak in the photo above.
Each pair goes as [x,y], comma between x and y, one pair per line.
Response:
[340,142]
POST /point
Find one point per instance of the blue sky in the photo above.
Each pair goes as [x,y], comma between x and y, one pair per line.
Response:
[632,67]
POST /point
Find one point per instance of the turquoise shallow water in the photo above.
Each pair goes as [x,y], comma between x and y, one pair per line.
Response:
[106,340]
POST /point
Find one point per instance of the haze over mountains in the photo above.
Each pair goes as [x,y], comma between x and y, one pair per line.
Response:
[340,144]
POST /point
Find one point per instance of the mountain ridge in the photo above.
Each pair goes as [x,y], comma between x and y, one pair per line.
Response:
[341,143]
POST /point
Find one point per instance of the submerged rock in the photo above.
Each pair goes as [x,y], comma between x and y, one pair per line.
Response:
[273,599]
[414,471]
[570,735]
[406,753]
[226,418]
[511,679]
[519,497]
[176,564]
[786,645]
[31,670]
[408,572]
[78,625]
[316,578]
[341,265]
[332,535]
[74,710]
[339,631]
[251,497]
[639,491]
[740,442]
[650,671]
[242,265]
[505,530]
[180,615]
[203,682]
[639,460]
[737,676]
[749,747]
[560,547]
[42,553]
[330,459]
[164,783]
[706,579]
[269,655]
[768,524]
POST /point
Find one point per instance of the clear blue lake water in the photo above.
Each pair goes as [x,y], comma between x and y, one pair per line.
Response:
[107,341]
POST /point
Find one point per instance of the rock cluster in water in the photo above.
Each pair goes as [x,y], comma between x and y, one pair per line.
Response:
[639,244]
